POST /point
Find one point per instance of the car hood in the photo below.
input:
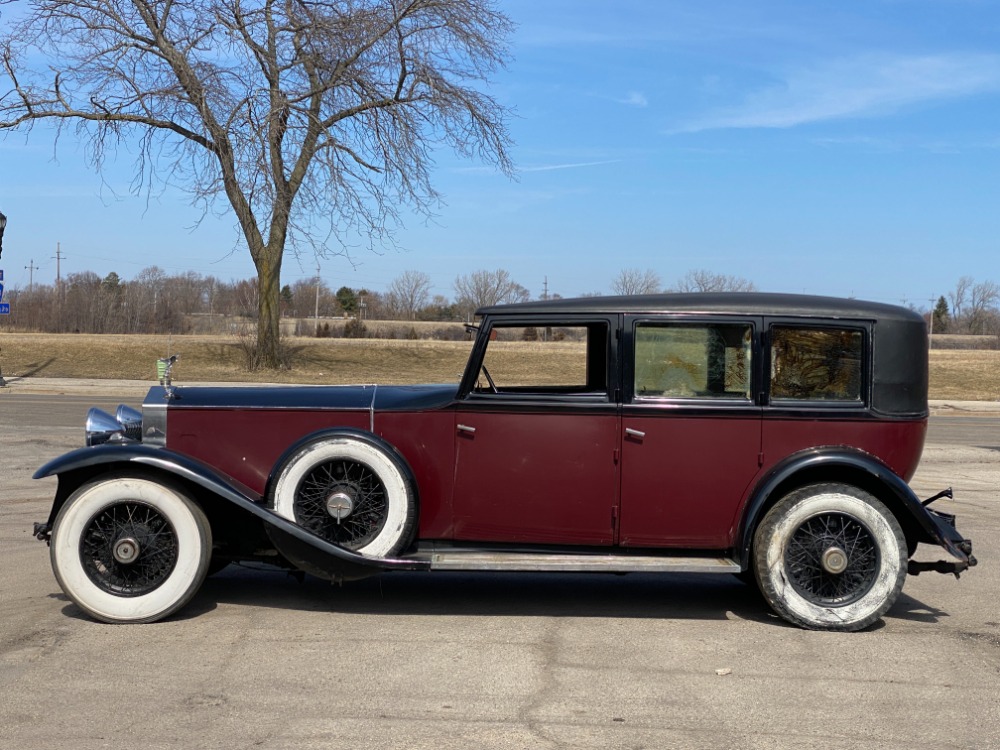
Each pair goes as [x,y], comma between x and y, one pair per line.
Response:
[382,397]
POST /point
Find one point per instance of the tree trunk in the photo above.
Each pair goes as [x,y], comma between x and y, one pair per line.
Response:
[268,309]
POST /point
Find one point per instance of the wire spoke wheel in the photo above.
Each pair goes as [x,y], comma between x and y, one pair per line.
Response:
[830,556]
[128,549]
[343,501]
[832,559]
[349,489]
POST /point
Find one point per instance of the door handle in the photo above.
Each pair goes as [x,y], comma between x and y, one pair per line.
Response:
[466,428]
[637,434]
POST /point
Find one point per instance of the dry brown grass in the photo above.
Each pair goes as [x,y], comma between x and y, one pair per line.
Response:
[972,375]
[954,374]
[220,358]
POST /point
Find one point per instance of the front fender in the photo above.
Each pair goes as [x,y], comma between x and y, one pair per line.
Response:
[936,528]
[339,562]
[353,433]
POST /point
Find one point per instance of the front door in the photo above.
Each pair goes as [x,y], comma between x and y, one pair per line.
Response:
[537,436]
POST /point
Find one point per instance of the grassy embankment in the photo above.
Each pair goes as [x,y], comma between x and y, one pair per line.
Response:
[955,374]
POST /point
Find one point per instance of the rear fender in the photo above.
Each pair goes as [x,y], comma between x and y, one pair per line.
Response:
[77,467]
[824,464]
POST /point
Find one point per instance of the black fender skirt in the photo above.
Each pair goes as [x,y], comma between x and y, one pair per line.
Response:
[302,548]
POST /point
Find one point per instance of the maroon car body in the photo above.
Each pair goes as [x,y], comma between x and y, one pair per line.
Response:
[766,435]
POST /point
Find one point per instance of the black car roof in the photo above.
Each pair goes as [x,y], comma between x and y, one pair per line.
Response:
[745,303]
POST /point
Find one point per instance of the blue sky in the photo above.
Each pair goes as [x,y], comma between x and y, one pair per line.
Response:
[842,148]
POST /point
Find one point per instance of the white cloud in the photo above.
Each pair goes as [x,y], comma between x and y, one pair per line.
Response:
[866,86]
[575,165]
[635,99]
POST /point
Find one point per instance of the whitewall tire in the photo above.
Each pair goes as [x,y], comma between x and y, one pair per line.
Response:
[830,557]
[128,549]
[350,492]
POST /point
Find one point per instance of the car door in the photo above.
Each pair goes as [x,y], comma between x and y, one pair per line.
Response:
[537,433]
[691,429]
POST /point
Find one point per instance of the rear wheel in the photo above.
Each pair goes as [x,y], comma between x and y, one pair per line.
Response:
[830,557]
[128,549]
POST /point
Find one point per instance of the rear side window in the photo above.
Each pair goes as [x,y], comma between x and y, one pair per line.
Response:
[710,361]
[816,364]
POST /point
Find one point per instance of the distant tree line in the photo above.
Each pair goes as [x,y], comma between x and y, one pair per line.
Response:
[155,302]
[972,307]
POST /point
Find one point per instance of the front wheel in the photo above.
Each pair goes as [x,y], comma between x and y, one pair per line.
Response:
[830,557]
[128,549]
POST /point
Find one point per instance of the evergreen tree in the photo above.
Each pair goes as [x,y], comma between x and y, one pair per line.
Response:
[941,317]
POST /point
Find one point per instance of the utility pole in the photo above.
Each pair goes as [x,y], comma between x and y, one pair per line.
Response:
[545,287]
[316,311]
[930,325]
[59,289]
[31,268]
[58,257]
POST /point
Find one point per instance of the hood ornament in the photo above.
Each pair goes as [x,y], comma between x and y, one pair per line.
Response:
[163,368]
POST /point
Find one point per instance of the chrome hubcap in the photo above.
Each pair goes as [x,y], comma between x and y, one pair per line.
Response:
[126,550]
[834,560]
[339,505]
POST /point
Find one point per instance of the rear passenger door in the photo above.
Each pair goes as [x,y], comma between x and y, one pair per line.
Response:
[691,428]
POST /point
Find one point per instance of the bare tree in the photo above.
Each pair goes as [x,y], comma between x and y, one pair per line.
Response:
[706,281]
[408,294]
[974,305]
[983,298]
[631,281]
[310,117]
[959,297]
[483,288]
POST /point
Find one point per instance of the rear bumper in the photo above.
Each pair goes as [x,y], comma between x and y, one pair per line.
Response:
[944,532]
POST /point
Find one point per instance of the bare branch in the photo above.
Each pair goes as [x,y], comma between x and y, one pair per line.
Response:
[307,118]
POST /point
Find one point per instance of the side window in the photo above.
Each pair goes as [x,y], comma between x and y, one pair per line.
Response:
[546,360]
[816,364]
[680,360]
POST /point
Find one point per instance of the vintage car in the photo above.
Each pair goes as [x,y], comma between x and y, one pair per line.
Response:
[767,436]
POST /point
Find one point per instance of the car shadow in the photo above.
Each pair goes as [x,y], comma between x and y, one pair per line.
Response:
[635,595]
[914,610]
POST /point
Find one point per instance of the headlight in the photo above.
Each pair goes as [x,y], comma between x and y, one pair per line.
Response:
[103,428]
[131,420]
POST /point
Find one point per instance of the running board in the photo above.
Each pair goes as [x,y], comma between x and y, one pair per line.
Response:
[570,563]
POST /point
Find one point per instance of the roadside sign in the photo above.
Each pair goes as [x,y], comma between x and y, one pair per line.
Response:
[5,308]
[1,274]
